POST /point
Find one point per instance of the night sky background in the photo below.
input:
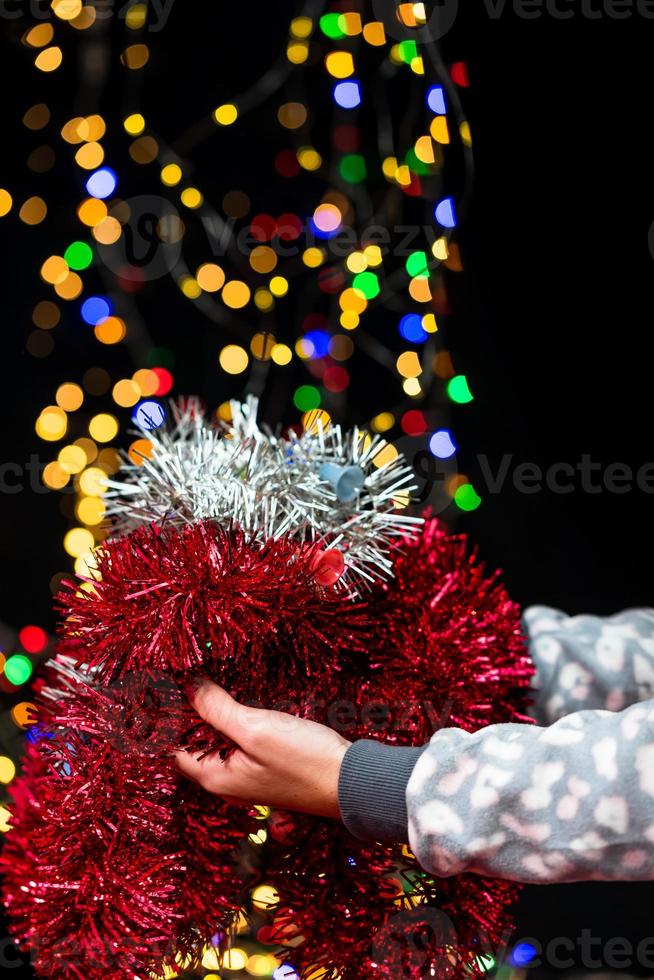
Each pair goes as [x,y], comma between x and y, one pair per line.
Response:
[551,318]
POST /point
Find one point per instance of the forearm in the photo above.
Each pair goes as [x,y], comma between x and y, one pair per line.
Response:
[571,802]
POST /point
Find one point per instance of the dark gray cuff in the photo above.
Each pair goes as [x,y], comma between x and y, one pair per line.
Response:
[372,790]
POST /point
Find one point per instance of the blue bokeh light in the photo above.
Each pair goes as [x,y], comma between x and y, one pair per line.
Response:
[347,94]
[149,415]
[523,954]
[411,328]
[319,340]
[102,183]
[442,445]
[95,310]
[436,100]
[444,213]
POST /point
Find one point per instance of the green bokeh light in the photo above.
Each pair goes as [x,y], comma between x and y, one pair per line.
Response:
[466,497]
[417,265]
[367,283]
[408,51]
[329,25]
[79,256]
[306,398]
[353,168]
[459,391]
[18,669]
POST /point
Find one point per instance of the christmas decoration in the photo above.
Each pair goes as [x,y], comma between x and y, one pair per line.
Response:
[116,864]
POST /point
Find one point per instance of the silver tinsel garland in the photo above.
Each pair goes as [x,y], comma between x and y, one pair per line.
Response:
[322,486]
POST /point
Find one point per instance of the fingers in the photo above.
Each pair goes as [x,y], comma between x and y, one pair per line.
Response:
[221,711]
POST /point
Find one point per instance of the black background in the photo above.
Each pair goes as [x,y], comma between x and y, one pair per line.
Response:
[552,320]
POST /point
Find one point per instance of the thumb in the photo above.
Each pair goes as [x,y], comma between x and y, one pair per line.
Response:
[220,710]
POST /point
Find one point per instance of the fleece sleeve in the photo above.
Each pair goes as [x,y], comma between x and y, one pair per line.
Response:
[567,802]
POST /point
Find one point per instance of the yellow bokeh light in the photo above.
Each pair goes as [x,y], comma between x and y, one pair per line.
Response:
[24,714]
[389,167]
[210,277]
[411,387]
[66,9]
[261,346]
[54,270]
[374,255]
[86,565]
[37,117]
[408,364]
[39,36]
[281,354]
[190,287]
[309,158]
[88,447]
[226,114]
[192,198]
[313,257]
[301,27]
[52,423]
[91,511]
[144,150]
[78,541]
[297,52]
[424,149]
[403,175]
[440,249]
[125,393]
[465,133]
[140,450]
[265,897]
[264,300]
[260,965]
[356,262]
[108,231]
[6,202]
[103,427]
[111,331]
[278,286]
[55,477]
[263,258]
[92,128]
[350,24]
[440,130]
[134,124]
[135,56]
[137,16]
[89,156]
[69,397]
[33,211]
[340,64]
[429,324]
[236,294]
[292,115]
[354,300]
[171,175]
[420,289]
[147,381]
[49,59]
[70,131]
[383,422]
[7,770]
[210,959]
[317,420]
[85,19]
[72,459]
[70,288]
[386,453]
[5,819]
[349,320]
[374,33]
[92,482]
[233,359]
[92,212]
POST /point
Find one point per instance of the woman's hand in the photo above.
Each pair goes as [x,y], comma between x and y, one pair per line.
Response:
[281,761]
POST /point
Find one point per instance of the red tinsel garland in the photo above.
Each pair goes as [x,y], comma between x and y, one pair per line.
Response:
[116,864]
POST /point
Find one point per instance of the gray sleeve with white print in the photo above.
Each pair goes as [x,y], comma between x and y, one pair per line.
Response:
[568,799]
